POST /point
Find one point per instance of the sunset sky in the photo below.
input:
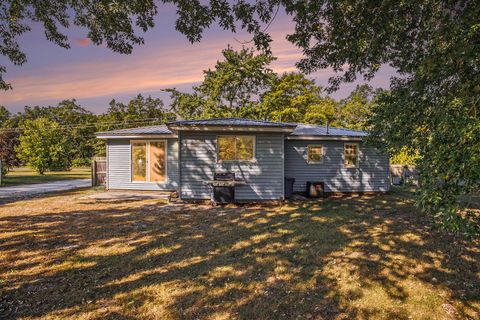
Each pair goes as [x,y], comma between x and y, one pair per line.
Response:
[94,74]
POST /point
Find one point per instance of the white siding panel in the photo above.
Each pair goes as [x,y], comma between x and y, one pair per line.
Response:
[119,167]
[371,175]
[263,177]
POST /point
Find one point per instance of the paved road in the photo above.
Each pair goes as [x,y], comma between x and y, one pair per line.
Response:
[32,189]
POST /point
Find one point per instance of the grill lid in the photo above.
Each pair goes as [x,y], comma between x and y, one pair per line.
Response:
[224,176]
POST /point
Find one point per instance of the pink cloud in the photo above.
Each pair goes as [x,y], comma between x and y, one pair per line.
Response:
[82,42]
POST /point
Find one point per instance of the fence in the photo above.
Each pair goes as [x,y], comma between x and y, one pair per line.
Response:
[402,174]
[99,171]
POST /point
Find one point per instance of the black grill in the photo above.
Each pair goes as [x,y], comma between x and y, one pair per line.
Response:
[224,176]
[223,193]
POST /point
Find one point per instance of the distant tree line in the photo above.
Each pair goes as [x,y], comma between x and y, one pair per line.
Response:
[49,138]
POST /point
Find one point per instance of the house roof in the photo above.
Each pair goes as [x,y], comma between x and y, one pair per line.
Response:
[317,130]
[150,130]
[231,122]
[295,130]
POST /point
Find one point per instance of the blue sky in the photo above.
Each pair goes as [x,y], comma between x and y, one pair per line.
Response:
[94,74]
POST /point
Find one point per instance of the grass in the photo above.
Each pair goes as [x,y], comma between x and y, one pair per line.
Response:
[25,175]
[360,257]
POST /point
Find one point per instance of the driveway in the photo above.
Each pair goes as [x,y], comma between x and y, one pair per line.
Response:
[38,188]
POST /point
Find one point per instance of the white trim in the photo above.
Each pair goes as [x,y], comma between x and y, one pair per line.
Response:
[231,128]
[253,160]
[144,136]
[322,153]
[147,157]
[358,155]
[338,138]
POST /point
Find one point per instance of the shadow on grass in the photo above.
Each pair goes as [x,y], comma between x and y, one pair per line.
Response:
[128,261]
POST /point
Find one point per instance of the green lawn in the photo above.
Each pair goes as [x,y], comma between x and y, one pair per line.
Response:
[357,257]
[25,175]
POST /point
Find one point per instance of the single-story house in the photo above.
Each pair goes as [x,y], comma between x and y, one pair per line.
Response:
[185,156]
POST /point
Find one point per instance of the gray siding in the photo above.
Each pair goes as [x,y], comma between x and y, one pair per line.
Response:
[371,175]
[119,167]
[264,176]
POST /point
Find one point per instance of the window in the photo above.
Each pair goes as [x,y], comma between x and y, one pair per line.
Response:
[236,148]
[149,161]
[315,154]
[351,155]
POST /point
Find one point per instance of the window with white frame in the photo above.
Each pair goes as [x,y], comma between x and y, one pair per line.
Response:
[315,154]
[235,148]
[350,155]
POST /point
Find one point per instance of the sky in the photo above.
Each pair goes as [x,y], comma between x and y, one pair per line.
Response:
[94,75]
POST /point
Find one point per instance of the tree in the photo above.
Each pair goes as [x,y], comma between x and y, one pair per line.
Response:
[139,111]
[186,105]
[45,145]
[356,109]
[231,89]
[325,112]
[405,157]
[290,97]
[81,125]
[8,141]
[4,115]
[432,44]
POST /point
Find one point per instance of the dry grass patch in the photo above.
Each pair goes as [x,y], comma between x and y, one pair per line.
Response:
[341,258]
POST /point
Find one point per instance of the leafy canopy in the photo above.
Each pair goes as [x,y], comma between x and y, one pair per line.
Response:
[231,89]
[44,145]
[290,97]
[434,45]
[139,111]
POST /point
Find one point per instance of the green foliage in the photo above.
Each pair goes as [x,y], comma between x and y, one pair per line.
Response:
[8,141]
[405,156]
[290,97]
[139,111]
[4,115]
[433,107]
[147,110]
[114,24]
[231,89]
[356,109]
[45,145]
[242,85]
[446,133]
[79,123]
[326,111]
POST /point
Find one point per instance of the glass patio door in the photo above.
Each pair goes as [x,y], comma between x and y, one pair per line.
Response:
[149,161]
[157,161]
[139,161]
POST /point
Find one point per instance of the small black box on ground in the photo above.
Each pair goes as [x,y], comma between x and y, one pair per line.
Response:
[315,189]
[223,194]
[289,187]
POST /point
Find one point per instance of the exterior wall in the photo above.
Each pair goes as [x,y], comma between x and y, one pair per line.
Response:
[264,176]
[119,167]
[372,173]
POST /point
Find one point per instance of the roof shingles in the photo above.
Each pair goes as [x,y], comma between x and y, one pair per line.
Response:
[300,129]
[230,122]
[150,130]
